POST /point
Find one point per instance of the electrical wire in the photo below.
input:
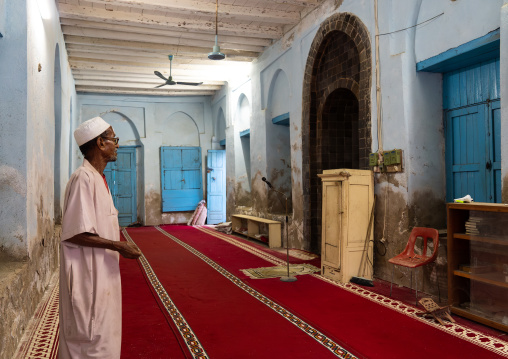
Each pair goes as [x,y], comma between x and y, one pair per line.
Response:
[410,27]
[216,15]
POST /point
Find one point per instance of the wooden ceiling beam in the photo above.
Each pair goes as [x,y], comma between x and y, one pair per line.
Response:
[187,8]
[140,46]
[201,75]
[152,92]
[302,3]
[146,79]
[150,59]
[176,24]
[156,39]
[140,85]
[154,65]
[161,54]
[162,32]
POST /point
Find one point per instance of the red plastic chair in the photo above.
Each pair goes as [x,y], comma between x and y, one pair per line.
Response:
[408,258]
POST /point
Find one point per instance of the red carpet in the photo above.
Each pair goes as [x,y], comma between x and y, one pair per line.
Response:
[360,325]
[190,303]
[227,321]
[145,331]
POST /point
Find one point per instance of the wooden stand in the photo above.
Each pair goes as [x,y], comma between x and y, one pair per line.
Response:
[439,313]
[477,258]
[274,237]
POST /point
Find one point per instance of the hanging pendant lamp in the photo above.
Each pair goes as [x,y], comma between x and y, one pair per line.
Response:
[216,54]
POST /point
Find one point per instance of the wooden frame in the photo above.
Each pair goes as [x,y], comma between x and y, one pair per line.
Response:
[459,247]
[274,228]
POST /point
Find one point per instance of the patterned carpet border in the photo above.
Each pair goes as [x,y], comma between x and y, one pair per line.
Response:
[293,319]
[190,338]
[41,337]
[485,341]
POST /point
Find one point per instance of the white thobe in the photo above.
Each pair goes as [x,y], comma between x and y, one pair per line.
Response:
[90,290]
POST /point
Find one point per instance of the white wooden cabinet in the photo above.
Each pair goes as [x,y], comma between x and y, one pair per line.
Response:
[348,197]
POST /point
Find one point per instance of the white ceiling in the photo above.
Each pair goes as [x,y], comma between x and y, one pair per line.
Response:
[114,46]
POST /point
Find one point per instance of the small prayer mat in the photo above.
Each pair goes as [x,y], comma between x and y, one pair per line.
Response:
[280,271]
[298,253]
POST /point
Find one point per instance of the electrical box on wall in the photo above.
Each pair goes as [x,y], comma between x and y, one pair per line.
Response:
[391,161]
[373,159]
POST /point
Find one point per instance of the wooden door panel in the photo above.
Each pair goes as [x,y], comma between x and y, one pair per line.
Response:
[216,186]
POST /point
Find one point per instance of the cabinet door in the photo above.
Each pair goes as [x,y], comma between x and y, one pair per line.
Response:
[332,224]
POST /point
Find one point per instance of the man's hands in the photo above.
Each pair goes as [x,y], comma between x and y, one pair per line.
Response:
[128,250]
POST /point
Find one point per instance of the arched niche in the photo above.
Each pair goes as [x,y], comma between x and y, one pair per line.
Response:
[242,152]
[339,58]
[278,142]
[220,130]
[183,131]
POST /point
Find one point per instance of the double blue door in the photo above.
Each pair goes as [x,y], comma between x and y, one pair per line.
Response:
[181,178]
[121,177]
[473,132]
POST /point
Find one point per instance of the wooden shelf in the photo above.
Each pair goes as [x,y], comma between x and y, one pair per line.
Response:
[466,313]
[274,228]
[494,240]
[480,206]
[489,250]
[489,278]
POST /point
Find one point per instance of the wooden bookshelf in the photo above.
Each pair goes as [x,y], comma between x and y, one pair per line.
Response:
[479,296]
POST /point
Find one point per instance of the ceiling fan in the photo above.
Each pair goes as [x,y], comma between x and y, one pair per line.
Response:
[169,80]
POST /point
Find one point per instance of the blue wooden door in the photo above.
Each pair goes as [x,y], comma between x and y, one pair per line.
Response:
[181,178]
[121,177]
[494,112]
[216,186]
[473,132]
[466,169]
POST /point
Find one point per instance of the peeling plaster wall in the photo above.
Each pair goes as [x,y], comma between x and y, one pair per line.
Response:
[13,120]
[29,238]
[149,123]
[44,35]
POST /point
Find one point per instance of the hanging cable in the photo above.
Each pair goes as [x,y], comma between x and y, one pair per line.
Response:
[216,15]
[410,27]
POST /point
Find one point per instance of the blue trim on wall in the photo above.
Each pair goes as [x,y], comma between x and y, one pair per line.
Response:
[222,142]
[478,50]
[245,133]
[282,120]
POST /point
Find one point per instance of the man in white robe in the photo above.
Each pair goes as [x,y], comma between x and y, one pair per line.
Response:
[90,289]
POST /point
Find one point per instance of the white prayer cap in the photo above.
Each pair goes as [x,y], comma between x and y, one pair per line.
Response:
[90,129]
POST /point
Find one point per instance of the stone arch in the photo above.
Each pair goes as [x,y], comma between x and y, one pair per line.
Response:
[339,58]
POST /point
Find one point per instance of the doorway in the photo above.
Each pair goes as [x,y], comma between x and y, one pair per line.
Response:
[473,132]
[121,177]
